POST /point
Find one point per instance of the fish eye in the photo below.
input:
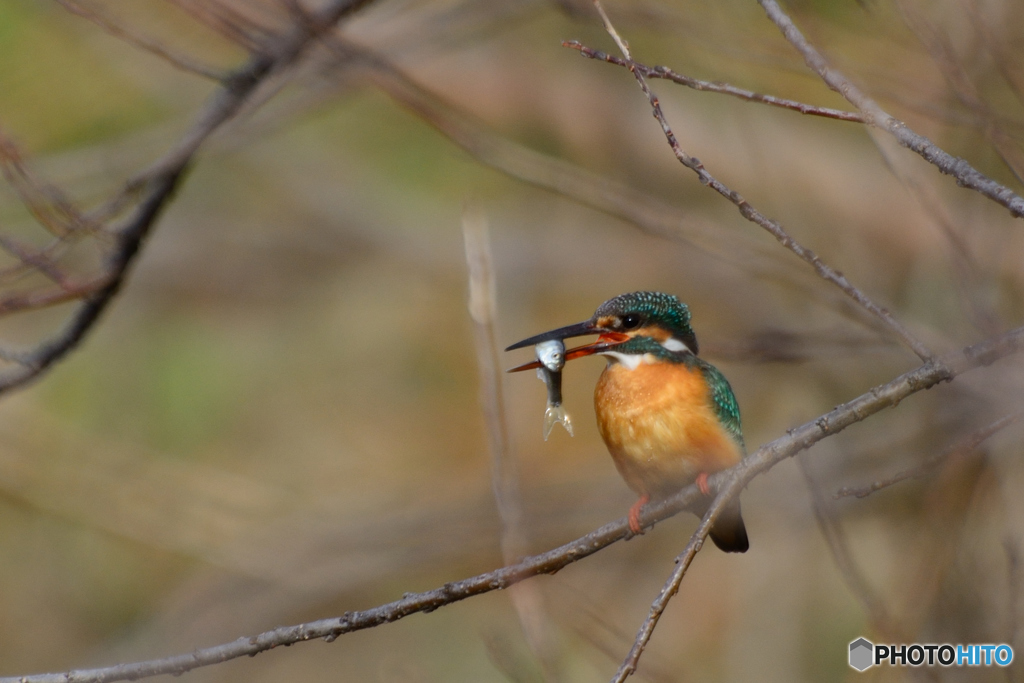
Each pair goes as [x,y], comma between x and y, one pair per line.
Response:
[630,321]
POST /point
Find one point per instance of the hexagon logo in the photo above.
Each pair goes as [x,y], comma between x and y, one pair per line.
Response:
[861,654]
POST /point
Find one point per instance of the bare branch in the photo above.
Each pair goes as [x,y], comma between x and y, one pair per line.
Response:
[753,215]
[716,86]
[965,174]
[180,61]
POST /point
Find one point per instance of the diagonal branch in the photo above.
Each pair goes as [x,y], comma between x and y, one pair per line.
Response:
[180,61]
[716,86]
[728,484]
[755,216]
[965,174]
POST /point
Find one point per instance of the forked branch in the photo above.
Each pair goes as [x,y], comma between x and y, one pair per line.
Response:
[716,86]
[965,174]
[823,270]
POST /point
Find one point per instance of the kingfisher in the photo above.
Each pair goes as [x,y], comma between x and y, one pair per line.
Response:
[668,417]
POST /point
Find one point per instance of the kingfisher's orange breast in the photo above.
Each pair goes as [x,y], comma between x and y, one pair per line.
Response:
[660,426]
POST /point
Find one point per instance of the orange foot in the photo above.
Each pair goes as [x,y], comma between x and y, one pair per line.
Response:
[634,514]
[702,483]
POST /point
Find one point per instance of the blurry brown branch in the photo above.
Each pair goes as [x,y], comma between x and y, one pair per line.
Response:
[157,185]
[504,474]
[32,259]
[243,83]
[960,449]
[965,174]
[727,484]
[46,202]
[130,238]
[183,62]
[755,216]
[14,302]
[526,599]
[715,86]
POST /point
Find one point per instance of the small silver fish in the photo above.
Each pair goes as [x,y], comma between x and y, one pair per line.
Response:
[551,355]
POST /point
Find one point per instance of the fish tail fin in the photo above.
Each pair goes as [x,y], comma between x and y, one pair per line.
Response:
[555,413]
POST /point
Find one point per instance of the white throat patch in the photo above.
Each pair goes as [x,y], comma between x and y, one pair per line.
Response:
[673,344]
[631,361]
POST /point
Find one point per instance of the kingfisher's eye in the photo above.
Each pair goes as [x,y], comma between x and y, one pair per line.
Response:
[630,321]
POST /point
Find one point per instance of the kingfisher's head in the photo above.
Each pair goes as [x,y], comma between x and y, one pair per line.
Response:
[631,324]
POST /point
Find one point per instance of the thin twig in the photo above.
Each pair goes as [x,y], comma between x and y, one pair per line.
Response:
[37,259]
[961,84]
[959,449]
[47,203]
[235,26]
[716,86]
[43,259]
[965,174]
[183,62]
[728,484]
[16,302]
[753,215]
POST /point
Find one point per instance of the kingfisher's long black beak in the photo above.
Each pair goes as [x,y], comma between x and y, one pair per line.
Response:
[577,330]
[605,341]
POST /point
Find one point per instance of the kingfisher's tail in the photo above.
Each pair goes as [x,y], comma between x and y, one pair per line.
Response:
[729,533]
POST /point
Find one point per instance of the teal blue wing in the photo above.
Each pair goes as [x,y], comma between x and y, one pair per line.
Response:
[724,401]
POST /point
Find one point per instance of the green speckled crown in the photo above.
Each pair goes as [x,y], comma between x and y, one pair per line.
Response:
[655,308]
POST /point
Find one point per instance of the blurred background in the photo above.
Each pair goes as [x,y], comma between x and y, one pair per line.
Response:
[279,418]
